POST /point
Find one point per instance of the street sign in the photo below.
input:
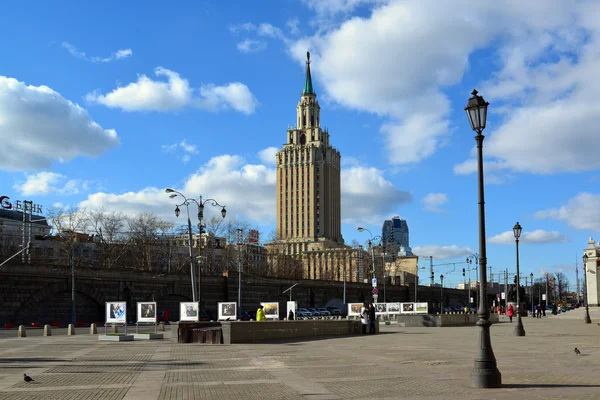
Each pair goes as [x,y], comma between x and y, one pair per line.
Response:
[503,296]
[374,282]
[375,298]
[375,291]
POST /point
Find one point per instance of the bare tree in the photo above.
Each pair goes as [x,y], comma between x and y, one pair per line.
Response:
[145,232]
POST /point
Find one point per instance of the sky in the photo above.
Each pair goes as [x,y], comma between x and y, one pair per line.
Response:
[108,104]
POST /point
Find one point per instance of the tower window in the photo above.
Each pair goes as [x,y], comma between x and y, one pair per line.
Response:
[302,141]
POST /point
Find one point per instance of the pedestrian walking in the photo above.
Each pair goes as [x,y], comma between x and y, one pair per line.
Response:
[510,312]
[539,311]
[363,318]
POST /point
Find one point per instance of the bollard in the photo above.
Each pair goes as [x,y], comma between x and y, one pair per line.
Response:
[22,332]
[114,329]
[161,326]
[93,329]
[47,330]
[71,330]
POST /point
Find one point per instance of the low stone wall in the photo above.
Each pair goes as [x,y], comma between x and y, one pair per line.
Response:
[264,331]
[442,320]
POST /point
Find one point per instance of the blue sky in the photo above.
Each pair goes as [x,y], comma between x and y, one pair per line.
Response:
[109,104]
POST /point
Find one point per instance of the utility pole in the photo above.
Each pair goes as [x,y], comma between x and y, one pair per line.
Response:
[505,289]
[577,277]
[240,232]
[431,270]
[73,314]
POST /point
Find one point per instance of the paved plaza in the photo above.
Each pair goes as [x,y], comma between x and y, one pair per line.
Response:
[399,363]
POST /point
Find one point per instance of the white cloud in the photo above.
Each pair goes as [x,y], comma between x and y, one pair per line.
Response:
[292,25]
[366,195]
[44,183]
[442,252]
[433,201]
[535,237]
[268,155]
[547,91]
[117,55]
[175,94]
[268,30]
[421,50]
[39,126]
[331,7]
[184,146]
[251,46]
[580,212]
[188,148]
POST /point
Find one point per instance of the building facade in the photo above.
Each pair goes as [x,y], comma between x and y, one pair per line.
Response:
[309,242]
[308,178]
[592,274]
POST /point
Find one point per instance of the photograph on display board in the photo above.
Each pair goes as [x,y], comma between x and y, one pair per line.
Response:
[291,306]
[188,311]
[380,308]
[354,308]
[421,308]
[407,308]
[146,312]
[227,310]
[271,310]
[116,312]
[393,308]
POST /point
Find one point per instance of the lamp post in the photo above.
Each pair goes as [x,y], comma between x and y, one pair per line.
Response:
[531,276]
[587,308]
[441,294]
[519,330]
[470,261]
[360,229]
[485,372]
[200,203]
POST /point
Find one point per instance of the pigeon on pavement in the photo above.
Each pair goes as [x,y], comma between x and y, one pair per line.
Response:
[27,378]
[577,351]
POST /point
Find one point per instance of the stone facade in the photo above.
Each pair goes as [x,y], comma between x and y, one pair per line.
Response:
[41,293]
[592,274]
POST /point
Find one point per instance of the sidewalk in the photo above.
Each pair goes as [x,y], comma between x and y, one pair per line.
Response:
[399,363]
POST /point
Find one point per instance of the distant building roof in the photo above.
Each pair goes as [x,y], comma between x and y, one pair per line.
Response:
[18,216]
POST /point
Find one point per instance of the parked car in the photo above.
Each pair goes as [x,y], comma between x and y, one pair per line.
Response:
[334,311]
[324,312]
[303,313]
[314,312]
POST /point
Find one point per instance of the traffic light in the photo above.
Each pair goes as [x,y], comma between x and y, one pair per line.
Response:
[463,272]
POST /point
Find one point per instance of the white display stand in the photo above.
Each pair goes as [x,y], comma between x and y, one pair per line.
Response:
[227,311]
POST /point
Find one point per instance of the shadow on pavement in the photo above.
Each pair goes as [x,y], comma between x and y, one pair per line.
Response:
[543,385]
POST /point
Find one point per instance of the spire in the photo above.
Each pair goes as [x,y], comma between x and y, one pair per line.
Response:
[308,87]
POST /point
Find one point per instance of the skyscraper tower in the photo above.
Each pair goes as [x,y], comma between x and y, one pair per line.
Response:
[308,178]
[395,234]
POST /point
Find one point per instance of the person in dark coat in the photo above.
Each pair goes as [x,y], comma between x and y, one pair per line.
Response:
[372,318]
[291,316]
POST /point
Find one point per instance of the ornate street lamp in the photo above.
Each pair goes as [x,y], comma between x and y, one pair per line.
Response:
[200,203]
[360,229]
[485,372]
[519,330]
[587,308]
[532,287]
